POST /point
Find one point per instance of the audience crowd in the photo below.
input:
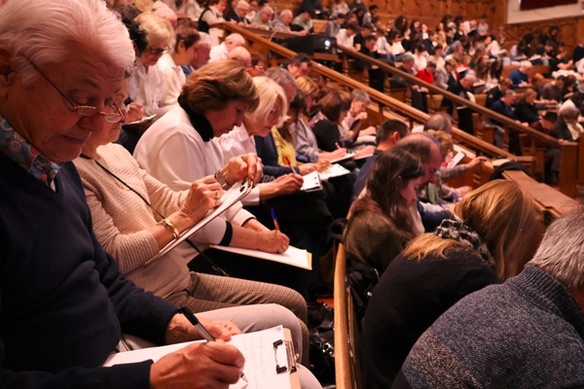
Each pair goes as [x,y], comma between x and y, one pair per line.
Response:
[123,125]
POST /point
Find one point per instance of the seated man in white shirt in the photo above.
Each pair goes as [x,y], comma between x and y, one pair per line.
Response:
[345,35]
[221,51]
[170,64]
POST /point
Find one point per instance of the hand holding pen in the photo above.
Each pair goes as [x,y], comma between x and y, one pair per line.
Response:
[202,330]
[289,164]
[198,365]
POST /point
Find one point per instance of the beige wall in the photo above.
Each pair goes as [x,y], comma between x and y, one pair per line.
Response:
[515,15]
[501,13]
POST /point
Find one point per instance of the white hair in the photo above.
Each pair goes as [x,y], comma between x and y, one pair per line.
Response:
[266,9]
[159,31]
[286,12]
[240,54]
[270,92]
[361,96]
[241,4]
[46,32]
[236,39]
[561,252]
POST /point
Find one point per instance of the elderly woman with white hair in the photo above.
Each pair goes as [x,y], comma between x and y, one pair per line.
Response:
[271,111]
[284,21]
[520,76]
[146,85]
[354,129]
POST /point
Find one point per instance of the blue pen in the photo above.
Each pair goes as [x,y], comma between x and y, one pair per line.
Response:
[275,219]
[202,330]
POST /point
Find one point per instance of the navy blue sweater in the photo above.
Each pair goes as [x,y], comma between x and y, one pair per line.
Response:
[409,297]
[64,303]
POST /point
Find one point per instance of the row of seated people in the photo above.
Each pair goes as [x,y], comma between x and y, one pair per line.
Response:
[424,272]
[553,107]
[188,45]
[63,273]
[491,281]
[191,288]
[425,326]
[538,108]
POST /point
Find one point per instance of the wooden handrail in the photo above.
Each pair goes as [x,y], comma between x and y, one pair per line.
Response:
[459,100]
[551,203]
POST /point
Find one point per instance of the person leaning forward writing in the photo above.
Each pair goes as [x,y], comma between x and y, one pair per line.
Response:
[64,302]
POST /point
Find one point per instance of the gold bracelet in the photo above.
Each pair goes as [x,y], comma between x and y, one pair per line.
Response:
[170,225]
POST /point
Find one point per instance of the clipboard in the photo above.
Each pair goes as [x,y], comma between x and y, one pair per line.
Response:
[456,159]
[292,358]
[311,182]
[257,347]
[140,121]
[237,192]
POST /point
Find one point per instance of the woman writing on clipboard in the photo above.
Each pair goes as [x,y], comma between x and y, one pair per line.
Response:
[134,216]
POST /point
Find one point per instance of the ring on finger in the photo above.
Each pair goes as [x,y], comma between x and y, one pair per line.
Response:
[216,194]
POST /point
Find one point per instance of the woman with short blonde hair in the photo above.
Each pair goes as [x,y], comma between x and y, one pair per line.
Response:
[271,94]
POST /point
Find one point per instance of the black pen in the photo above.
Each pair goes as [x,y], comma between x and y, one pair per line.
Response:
[202,330]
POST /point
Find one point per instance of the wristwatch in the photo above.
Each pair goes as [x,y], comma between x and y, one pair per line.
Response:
[221,180]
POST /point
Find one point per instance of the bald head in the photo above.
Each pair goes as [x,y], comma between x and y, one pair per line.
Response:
[426,148]
[240,54]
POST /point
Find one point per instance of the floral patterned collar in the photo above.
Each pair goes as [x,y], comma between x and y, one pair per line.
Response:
[27,156]
[457,230]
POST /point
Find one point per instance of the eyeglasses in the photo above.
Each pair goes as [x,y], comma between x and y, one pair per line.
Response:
[158,51]
[86,110]
[275,115]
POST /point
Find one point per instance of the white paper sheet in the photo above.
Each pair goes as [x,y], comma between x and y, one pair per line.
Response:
[347,156]
[293,256]
[334,170]
[256,347]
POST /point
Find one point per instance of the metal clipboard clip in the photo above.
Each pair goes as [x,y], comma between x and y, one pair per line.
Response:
[286,358]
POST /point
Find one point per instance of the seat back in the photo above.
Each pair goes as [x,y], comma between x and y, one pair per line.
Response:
[346,368]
